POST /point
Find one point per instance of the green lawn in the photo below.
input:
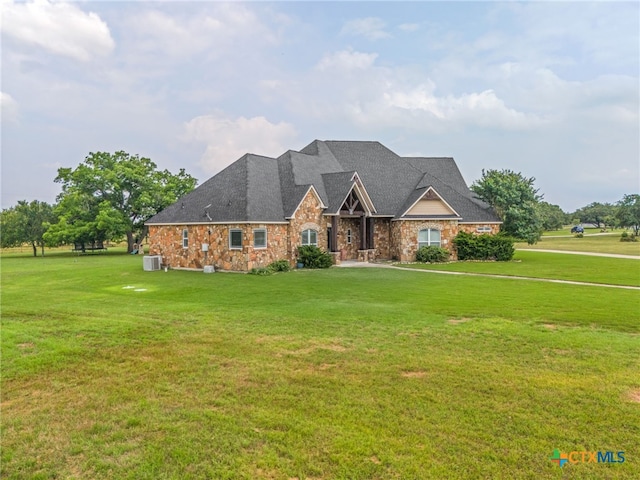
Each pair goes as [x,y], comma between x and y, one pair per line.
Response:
[583,268]
[609,243]
[343,373]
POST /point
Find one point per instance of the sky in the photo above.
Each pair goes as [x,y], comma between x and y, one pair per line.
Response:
[548,89]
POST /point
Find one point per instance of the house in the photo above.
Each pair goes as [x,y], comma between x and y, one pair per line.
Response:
[357,200]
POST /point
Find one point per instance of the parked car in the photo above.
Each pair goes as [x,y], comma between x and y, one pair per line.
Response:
[577,229]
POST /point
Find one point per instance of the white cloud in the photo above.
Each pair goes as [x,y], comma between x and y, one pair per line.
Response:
[221,27]
[350,85]
[347,60]
[228,139]
[9,108]
[58,27]
[409,27]
[371,28]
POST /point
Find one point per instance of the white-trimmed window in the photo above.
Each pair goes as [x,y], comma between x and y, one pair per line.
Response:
[429,237]
[483,229]
[309,237]
[185,238]
[349,236]
[260,238]
[235,239]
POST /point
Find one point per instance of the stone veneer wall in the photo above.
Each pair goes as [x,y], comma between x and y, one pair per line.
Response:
[308,216]
[404,237]
[349,251]
[382,238]
[471,227]
[166,240]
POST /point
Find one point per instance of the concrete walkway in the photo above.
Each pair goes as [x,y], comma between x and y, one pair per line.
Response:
[591,254]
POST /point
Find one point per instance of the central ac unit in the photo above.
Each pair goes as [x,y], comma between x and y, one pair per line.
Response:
[151,262]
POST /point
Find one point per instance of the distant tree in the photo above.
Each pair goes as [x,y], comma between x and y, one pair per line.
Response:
[628,213]
[26,223]
[514,199]
[595,213]
[552,216]
[110,196]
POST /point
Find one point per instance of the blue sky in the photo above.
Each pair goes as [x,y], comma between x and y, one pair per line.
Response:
[549,89]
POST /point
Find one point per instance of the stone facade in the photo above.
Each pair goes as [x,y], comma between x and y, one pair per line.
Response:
[382,237]
[308,216]
[396,240]
[404,237]
[348,249]
[166,241]
[474,227]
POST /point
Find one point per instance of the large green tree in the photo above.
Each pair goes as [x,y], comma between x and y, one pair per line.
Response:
[111,195]
[628,213]
[596,213]
[552,216]
[514,199]
[26,222]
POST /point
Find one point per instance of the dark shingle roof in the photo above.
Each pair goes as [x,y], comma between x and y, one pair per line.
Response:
[263,189]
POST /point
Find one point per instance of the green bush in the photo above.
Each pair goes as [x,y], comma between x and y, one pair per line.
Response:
[280,266]
[579,235]
[260,271]
[432,254]
[484,247]
[625,237]
[277,266]
[312,257]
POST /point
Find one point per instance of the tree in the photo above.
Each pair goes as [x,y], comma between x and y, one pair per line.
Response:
[595,213]
[628,213]
[110,196]
[26,223]
[514,199]
[552,216]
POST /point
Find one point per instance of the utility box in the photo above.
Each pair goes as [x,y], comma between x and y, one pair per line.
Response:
[151,262]
[205,247]
[209,269]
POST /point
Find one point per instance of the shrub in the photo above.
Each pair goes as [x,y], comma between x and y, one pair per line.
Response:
[432,254]
[312,257]
[277,266]
[579,235]
[280,266]
[625,237]
[484,247]
[260,271]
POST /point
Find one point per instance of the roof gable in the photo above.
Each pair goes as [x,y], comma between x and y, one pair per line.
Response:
[430,203]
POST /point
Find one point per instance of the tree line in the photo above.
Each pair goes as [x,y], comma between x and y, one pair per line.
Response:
[526,215]
[109,196]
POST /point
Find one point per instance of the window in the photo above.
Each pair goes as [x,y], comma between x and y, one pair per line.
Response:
[348,235]
[235,239]
[309,237]
[260,238]
[429,237]
[483,229]
[185,238]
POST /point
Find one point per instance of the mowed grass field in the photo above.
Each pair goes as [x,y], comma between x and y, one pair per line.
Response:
[599,243]
[112,372]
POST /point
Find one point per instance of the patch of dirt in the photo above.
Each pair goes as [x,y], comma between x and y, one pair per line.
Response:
[375,460]
[326,366]
[24,346]
[416,374]
[550,326]
[334,347]
[458,321]
[634,395]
